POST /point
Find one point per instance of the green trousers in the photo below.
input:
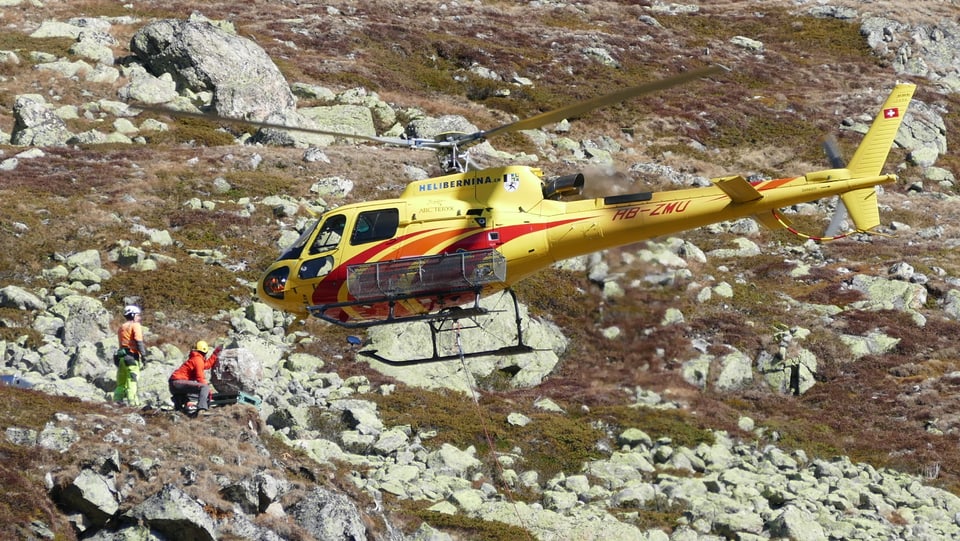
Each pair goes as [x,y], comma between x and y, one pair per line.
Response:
[126,390]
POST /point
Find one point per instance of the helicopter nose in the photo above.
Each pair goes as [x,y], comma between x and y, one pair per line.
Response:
[274,282]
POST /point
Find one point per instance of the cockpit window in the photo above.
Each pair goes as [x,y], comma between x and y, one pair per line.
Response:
[329,235]
[293,251]
[375,225]
[314,268]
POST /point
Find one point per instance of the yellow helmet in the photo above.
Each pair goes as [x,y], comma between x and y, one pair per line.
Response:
[202,347]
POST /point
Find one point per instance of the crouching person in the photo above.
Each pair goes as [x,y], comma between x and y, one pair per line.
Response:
[189,380]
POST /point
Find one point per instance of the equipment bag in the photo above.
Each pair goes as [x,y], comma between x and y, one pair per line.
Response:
[124,355]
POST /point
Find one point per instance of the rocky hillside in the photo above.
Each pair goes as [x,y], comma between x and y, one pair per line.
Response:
[731,382]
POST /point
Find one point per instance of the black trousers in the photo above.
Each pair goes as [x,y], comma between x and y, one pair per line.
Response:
[189,387]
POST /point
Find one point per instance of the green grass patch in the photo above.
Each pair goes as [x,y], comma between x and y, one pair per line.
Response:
[194,131]
[22,44]
[464,527]
[17,326]
[683,429]
[121,9]
[778,30]
[554,291]
[783,130]
[261,184]
[660,512]
[550,444]
[191,286]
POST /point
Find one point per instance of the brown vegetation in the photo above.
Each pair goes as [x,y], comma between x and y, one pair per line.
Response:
[767,117]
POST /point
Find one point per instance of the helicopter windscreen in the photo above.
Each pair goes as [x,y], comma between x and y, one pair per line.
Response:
[330,234]
[293,251]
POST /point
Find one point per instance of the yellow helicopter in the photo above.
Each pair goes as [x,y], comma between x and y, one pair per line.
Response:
[445,242]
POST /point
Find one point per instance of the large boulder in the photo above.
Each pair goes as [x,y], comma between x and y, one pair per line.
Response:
[237,370]
[329,515]
[174,514]
[84,319]
[203,57]
[92,494]
[405,342]
[19,298]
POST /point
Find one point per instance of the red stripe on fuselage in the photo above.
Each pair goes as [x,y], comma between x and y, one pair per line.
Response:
[429,242]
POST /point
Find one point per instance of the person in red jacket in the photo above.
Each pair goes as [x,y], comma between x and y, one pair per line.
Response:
[190,379]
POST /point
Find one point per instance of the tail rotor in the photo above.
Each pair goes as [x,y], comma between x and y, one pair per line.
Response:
[841,216]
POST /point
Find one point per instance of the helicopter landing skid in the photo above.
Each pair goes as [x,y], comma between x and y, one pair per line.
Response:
[448,320]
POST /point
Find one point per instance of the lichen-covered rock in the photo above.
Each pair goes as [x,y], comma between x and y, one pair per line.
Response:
[237,370]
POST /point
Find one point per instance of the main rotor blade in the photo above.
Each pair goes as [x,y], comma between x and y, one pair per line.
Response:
[531,123]
[578,109]
[272,125]
[832,149]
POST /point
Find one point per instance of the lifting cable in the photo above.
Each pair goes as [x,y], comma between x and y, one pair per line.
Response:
[483,425]
[494,337]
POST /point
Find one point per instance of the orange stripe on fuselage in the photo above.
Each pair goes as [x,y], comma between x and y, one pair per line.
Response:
[434,243]
[761,185]
[771,184]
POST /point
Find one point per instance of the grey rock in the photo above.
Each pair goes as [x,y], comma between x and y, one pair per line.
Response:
[883,293]
[345,119]
[175,514]
[17,297]
[92,494]
[237,370]
[84,319]
[90,47]
[413,340]
[431,127]
[36,124]
[329,515]
[57,438]
[21,436]
[202,57]
[390,441]
[449,460]
[57,29]
[149,89]
[360,415]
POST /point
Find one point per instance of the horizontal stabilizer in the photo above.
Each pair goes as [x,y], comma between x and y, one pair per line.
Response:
[771,221]
[862,206]
[737,187]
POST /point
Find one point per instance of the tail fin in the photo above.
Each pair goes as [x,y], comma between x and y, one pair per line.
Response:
[872,153]
[862,207]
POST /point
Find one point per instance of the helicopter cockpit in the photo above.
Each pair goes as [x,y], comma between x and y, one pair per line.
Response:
[314,253]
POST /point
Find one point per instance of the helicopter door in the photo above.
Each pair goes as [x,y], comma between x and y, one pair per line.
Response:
[320,258]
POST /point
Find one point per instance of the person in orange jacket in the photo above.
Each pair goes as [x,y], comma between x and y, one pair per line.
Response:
[129,357]
[190,379]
